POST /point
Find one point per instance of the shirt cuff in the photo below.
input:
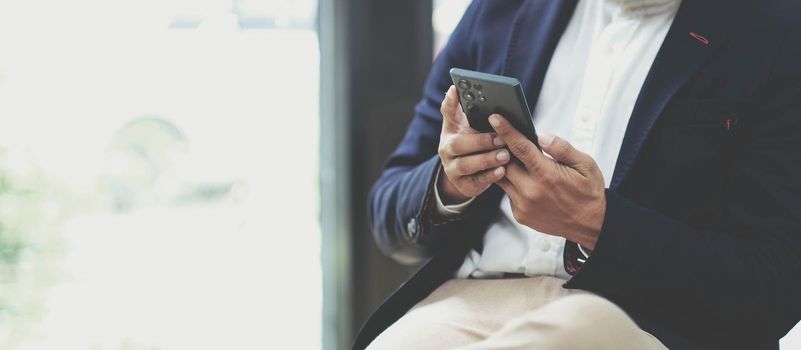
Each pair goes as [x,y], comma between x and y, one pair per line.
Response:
[448,210]
[583,251]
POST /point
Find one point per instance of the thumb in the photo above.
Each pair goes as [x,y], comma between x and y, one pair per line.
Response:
[452,115]
[563,152]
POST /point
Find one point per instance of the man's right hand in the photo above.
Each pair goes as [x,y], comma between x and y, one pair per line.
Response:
[471,161]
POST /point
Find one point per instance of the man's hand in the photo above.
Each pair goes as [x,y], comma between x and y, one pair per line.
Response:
[563,196]
[471,161]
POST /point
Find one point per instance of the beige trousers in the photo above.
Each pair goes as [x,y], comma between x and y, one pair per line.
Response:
[523,313]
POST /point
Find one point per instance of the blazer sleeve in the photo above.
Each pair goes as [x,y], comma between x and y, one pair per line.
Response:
[399,202]
[746,276]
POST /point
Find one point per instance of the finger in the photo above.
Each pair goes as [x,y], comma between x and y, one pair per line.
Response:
[461,118]
[469,165]
[516,174]
[464,144]
[563,152]
[521,147]
[483,180]
[525,185]
[507,186]
[452,115]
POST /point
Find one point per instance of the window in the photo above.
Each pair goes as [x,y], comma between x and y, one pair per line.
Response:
[150,193]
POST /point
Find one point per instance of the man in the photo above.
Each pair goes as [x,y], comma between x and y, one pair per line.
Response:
[667,200]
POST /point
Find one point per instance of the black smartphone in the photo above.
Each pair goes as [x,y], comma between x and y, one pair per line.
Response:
[482,95]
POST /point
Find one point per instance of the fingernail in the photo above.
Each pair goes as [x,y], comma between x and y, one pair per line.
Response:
[502,155]
[545,139]
[494,121]
[499,171]
[498,141]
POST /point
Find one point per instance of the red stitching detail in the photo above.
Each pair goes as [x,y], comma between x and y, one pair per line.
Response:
[730,123]
[700,38]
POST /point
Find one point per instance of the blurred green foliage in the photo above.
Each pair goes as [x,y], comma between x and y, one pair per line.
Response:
[144,166]
[27,246]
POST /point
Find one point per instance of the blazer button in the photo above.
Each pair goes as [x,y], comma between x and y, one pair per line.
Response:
[411,228]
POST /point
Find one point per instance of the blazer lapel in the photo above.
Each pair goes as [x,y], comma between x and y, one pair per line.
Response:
[699,29]
[535,33]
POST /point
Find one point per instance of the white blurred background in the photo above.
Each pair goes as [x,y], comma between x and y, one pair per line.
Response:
[152,195]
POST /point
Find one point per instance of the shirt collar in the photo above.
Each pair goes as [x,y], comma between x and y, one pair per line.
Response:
[644,7]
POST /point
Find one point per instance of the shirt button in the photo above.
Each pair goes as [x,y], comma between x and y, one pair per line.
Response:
[545,245]
[585,117]
[411,228]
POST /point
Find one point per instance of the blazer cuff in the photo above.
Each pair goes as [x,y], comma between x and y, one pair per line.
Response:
[428,221]
[451,210]
[610,264]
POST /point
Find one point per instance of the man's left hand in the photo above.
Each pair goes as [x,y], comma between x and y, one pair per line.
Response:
[562,196]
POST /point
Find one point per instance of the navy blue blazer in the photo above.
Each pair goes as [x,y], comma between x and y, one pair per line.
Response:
[701,243]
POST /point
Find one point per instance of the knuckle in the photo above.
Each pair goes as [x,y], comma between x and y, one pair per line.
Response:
[448,169]
[450,147]
[442,149]
[451,169]
[486,177]
[598,174]
[479,179]
[461,166]
[476,181]
[446,147]
[453,166]
[530,193]
[446,110]
[505,128]
[548,177]
[520,148]
[487,140]
[563,148]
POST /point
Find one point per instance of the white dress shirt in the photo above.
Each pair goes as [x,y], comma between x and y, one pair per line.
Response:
[588,95]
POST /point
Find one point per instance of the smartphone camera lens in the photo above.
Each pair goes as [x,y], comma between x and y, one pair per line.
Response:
[469,96]
[477,87]
[464,84]
[482,98]
[472,108]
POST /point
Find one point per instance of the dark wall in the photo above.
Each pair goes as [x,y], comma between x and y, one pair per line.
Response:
[390,55]
[375,55]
